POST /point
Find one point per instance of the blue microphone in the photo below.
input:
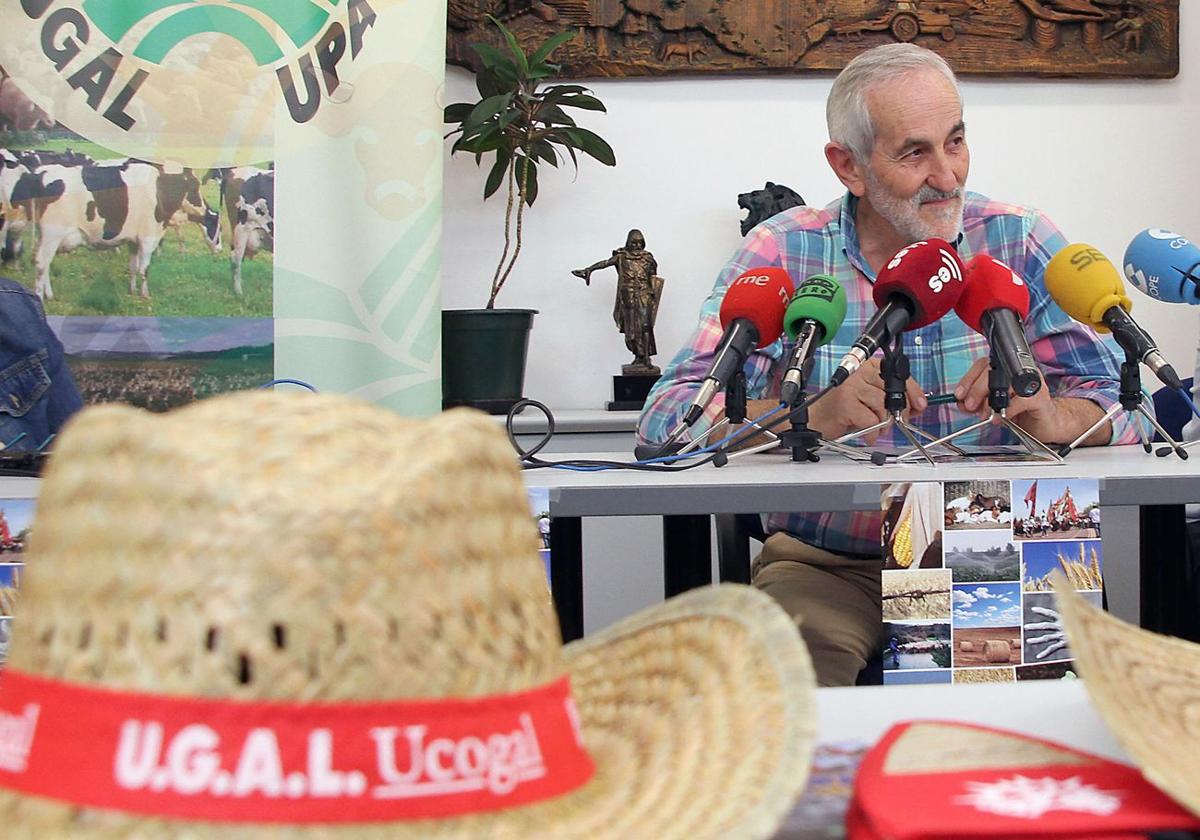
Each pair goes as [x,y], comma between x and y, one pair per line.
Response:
[1164,265]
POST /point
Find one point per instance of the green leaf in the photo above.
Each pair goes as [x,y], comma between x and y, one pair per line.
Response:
[550,114]
[557,92]
[544,150]
[522,63]
[526,170]
[494,58]
[496,177]
[587,103]
[457,112]
[592,144]
[485,110]
[488,84]
[552,43]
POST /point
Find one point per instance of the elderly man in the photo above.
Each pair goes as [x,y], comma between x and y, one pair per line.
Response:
[898,143]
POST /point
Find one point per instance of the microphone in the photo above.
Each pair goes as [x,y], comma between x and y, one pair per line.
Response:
[752,315]
[1164,265]
[811,320]
[919,284]
[1089,288]
[993,303]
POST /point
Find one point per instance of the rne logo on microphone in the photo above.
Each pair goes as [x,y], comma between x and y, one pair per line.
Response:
[752,280]
[947,273]
[1086,256]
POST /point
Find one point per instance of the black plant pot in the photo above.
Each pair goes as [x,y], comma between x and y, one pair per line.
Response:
[483,357]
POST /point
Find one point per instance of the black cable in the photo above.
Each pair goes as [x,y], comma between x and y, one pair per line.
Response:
[530,462]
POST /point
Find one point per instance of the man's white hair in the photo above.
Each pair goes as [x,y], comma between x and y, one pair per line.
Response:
[846,111]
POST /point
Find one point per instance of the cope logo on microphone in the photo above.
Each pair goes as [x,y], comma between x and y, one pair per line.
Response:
[1176,241]
[948,272]
[1084,257]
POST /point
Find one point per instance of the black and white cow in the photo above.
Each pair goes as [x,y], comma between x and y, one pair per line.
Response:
[248,194]
[12,218]
[105,205]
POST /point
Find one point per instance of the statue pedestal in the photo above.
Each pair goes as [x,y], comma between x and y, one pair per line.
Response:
[630,390]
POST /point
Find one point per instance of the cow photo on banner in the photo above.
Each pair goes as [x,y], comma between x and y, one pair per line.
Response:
[139,266]
[140,144]
[966,577]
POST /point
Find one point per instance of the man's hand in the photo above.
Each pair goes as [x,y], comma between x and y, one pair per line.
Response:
[858,403]
[1049,419]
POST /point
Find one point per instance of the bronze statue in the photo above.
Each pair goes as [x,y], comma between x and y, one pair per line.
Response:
[639,291]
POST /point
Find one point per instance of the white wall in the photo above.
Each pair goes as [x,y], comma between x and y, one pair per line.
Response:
[1104,159]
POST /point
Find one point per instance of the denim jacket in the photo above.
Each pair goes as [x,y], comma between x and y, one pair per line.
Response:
[37,393]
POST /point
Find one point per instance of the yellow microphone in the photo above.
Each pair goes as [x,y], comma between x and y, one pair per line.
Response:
[1091,290]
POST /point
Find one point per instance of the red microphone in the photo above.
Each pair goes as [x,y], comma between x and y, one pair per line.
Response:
[993,304]
[919,284]
[752,315]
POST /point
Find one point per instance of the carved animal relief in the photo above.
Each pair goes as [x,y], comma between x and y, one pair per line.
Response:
[659,37]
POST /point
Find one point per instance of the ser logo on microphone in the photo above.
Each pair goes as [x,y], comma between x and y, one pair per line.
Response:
[1086,256]
[948,272]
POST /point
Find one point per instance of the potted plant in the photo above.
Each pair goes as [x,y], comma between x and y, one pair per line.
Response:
[517,124]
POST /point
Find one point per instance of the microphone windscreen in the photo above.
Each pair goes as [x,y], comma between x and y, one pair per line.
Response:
[928,274]
[759,296]
[820,298]
[1086,285]
[1164,265]
[990,285]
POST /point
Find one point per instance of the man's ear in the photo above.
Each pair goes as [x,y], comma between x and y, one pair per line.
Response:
[846,167]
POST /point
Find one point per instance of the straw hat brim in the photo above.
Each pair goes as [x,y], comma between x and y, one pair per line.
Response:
[1147,689]
[698,713]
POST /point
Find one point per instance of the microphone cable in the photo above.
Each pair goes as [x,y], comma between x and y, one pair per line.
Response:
[714,452]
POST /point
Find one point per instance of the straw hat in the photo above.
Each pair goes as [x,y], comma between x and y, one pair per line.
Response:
[1147,689]
[257,549]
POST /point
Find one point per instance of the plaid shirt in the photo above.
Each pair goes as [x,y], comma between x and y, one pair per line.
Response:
[807,241]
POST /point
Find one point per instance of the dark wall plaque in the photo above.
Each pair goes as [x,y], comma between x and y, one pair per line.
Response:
[618,38]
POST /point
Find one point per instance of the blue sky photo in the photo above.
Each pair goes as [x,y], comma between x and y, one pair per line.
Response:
[987,604]
[1041,558]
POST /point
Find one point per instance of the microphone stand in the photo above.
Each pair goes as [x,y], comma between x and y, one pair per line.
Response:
[895,373]
[803,440]
[998,385]
[735,412]
[1132,401]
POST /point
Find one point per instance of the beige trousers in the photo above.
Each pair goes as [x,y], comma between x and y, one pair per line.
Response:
[834,600]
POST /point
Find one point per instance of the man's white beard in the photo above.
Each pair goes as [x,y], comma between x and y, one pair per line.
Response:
[905,214]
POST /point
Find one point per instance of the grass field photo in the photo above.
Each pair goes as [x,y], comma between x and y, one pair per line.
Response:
[981,556]
[984,675]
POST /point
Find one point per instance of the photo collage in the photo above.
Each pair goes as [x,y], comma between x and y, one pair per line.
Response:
[967,594]
[16,515]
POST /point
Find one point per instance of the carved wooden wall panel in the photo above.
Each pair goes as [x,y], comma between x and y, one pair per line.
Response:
[1104,38]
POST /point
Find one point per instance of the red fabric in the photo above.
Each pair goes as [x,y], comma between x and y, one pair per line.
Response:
[1094,799]
[990,284]
[273,762]
[1031,496]
[929,274]
[761,296]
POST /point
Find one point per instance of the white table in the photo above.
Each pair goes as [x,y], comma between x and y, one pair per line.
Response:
[1128,477]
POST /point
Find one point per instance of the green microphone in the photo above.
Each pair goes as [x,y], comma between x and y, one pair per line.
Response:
[812,318]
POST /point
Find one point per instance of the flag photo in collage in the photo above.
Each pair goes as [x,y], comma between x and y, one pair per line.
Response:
[16,515]
[966,577]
